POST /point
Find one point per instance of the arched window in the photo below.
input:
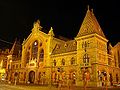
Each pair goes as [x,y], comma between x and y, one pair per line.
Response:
[117,79]
[54,62]
[54,76]
[115,60]
[35,49]
[86,58]
[27,57]
[72,61]
[41,55]
[63,62]
[39,77]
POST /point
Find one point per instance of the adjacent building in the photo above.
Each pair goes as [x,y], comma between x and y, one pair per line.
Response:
[14,62]
[3,63]
[46,59]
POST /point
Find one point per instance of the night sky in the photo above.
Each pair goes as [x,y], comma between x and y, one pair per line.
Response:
[17,18]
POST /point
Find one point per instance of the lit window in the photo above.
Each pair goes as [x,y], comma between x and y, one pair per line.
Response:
[109,61]
[35,43]
[27,57]
[41,55]
[63,62]
[72,61]
[86,59]
[35,49]
[54,62]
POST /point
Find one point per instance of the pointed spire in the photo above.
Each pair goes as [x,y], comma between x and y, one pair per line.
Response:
[109,45]
[88,7]
[90,25]
[15,48]
[92,10]
[51,28]
[12,50]
[51,33]
[110,49]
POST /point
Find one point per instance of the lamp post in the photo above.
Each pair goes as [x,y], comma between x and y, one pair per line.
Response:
[51,66]
[10,63]
[16,74]
[10,71]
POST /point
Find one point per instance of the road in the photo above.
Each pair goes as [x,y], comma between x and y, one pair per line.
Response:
[34,87]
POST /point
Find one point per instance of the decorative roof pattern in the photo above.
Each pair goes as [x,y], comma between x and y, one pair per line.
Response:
[90,25]
[68,46]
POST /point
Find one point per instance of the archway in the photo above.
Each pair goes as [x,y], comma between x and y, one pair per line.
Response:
[31,76]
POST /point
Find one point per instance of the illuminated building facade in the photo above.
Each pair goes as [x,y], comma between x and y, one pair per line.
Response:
[46,59]
[14,62]
[3,63]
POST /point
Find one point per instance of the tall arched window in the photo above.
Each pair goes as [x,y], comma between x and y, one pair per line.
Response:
[27,57]
[41,57]
[63,62]
[54,63]
[72,61]
[117,79]
[35,49]
[86,59]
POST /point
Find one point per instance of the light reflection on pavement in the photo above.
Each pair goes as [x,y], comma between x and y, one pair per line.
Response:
[34,87]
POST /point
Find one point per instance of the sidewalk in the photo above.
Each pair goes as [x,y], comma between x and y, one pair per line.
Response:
[39,87]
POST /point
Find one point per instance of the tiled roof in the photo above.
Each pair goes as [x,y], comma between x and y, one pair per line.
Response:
[90,25]
[68,46]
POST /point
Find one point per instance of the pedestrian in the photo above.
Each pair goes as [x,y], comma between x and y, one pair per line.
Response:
[60,82]
[59,85]
[69,83]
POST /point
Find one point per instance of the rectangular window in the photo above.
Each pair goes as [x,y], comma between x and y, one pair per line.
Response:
[8,66]
[13,66]
[109,61]
[20,65]
[16,66]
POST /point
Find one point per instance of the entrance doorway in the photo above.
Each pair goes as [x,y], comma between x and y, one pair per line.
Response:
[31,76]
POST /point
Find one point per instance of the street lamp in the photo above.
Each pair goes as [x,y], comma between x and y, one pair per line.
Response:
[10,71]
[11,64]
[16,74]
[10,61]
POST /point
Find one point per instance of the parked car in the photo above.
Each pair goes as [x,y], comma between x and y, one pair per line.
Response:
[3,77]
[116,84]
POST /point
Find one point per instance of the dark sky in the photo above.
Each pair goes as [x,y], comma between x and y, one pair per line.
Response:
[17,17]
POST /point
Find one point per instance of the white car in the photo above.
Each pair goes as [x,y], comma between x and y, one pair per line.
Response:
[116,85]
[3,79]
